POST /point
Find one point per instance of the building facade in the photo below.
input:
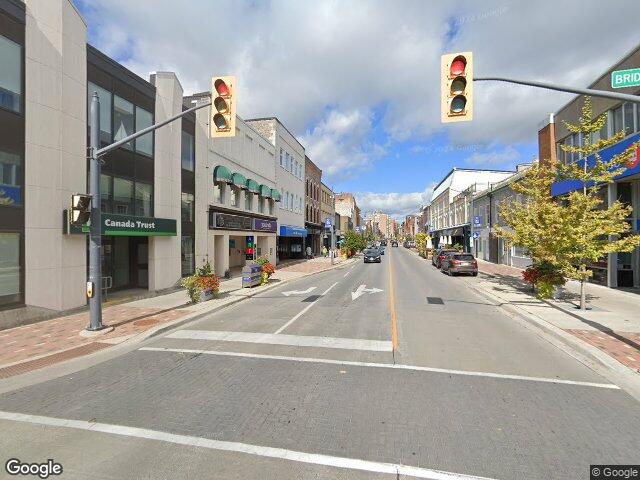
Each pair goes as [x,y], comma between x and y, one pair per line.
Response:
[312,211]
[290,181]
[327,211]
[616,269]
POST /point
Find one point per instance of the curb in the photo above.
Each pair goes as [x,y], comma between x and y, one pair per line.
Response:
[586,354]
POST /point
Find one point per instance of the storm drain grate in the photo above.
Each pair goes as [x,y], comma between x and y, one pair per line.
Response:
[312,298]
[435,301]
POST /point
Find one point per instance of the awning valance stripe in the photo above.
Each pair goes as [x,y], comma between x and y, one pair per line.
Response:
[253,186]
[265,191]
[239,180]
[222,174]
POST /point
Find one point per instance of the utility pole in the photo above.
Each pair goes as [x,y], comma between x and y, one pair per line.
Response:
[95,230]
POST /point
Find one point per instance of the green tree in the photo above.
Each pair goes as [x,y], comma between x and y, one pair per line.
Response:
[421,244]
[576,230]
[352,241]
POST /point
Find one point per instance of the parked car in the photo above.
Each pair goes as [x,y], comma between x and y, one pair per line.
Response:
[372,255]
[438,256]
[394,244]
[383,243]
[455,263]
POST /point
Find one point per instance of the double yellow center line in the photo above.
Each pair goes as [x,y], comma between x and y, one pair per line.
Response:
[392,307]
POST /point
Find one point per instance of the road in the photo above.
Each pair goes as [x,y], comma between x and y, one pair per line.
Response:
[387,371]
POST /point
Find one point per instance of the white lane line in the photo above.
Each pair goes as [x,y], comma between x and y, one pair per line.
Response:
[304,310]
[283,339]
[258,450]
[383,365]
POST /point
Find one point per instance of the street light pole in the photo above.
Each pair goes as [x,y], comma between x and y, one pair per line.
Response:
[95,233]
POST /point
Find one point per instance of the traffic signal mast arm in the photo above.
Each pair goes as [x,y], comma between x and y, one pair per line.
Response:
[562,88]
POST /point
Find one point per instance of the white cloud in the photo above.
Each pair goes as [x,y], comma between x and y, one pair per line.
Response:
[394,204]
[495,158]
[325,67]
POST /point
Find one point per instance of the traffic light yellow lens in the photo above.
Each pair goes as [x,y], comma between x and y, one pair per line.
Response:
[221,105]
[458,86]
[458,103]
[219,121]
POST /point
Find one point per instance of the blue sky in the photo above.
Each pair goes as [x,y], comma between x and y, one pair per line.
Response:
[358,82]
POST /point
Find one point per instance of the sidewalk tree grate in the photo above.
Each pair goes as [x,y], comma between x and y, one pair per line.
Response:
[435,301]
[312,298]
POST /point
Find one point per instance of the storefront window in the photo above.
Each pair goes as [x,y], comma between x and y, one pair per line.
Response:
[188,151]
[617,120]
[10,75]
[144,198]
[10,179]
[105,110]
[188,258]
[260,204]
[628,118]
[105,193]
[218,193]
[187,207]
[235,196]
[122,196]
[9,268]
[122,119]
[144,119]
[248,201]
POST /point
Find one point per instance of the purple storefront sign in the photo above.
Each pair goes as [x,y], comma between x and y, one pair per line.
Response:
[260,225]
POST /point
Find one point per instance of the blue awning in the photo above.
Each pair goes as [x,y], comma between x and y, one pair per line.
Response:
[287,231]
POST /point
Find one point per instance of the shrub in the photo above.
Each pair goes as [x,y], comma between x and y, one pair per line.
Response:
[202,281]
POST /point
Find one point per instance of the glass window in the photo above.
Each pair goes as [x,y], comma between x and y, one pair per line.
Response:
[625,193]
[260,204]
[144,119]
[235,196]
[271,207]
[281,158]
[10,75]
[122,196]
[188,258]
[218,193]
[617,120]
[187,207]
[105,193]
[105,110]
[628,118]
[9,267]
[144,198]
[248,201]
[10,179]
[188,151]
[122,119]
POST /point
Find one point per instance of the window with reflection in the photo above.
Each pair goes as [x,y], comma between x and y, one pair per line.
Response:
[218,192]
[105,98]
[122,120]
[235,196]
[105,193]
[10,179]
[144,199]
[248,201]
[122,196]
[144,119]
[9,267]
[188,151]
[10,75]
[187,205]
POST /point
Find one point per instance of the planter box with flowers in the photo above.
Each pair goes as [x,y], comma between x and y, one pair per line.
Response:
[203,285]
[267,269]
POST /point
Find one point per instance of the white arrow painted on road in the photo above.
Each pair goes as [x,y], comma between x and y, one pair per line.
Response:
[299,292]
[361,290]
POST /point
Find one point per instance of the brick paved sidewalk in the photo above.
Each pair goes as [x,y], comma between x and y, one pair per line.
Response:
[38,345]
[612,323]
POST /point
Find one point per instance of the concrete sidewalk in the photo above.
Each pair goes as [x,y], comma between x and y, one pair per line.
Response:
[41,344]
[611,324]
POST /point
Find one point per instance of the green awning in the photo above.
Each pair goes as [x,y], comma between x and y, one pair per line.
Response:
[276,194]
[238,180]
[265,191]
[253,186]
[222,174]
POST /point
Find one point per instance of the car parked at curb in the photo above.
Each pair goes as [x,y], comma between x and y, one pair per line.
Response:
[455,263]
[438,256]
[372,255]
[394,244]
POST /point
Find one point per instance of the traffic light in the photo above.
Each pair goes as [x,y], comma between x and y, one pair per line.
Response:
[223,107]
[456,78]
[80,209]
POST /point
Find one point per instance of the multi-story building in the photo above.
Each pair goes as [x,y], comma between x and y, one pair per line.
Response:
[290,180]
[327,211]
[347,212]
[486,217]
[409,226]
[616,269]
[313,214]
[450,225]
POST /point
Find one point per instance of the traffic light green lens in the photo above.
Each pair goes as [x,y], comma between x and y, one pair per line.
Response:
[458,103]
[219,121]
[221,105]
[458,86]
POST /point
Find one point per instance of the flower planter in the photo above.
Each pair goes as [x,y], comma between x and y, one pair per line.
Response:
[207,295]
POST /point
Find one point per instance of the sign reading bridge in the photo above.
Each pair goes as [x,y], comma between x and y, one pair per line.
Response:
[625,78]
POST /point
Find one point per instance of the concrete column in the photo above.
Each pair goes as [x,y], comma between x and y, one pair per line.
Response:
[221,254]
[164,252]
[612,260]
[55,152]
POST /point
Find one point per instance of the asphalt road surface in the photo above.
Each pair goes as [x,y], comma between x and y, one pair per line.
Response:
[388,371]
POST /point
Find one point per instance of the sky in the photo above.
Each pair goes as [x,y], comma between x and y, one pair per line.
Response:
[358,81]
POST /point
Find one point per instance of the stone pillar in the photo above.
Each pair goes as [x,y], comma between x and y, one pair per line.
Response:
[221,254]
[164,252]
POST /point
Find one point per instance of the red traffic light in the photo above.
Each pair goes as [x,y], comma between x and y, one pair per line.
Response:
[457,66]
[221,88]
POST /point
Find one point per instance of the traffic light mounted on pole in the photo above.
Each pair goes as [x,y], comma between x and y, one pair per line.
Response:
[222,122]
[456,79]
[80,211]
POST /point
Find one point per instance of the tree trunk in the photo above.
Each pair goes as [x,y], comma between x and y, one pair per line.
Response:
[583,294]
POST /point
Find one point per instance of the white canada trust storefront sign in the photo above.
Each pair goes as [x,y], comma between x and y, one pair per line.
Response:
[129,225]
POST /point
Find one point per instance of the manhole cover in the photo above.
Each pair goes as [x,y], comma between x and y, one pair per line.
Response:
[435,301]
[146,322]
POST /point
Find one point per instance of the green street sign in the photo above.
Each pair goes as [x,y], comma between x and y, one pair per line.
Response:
[625,78]
[129,225]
